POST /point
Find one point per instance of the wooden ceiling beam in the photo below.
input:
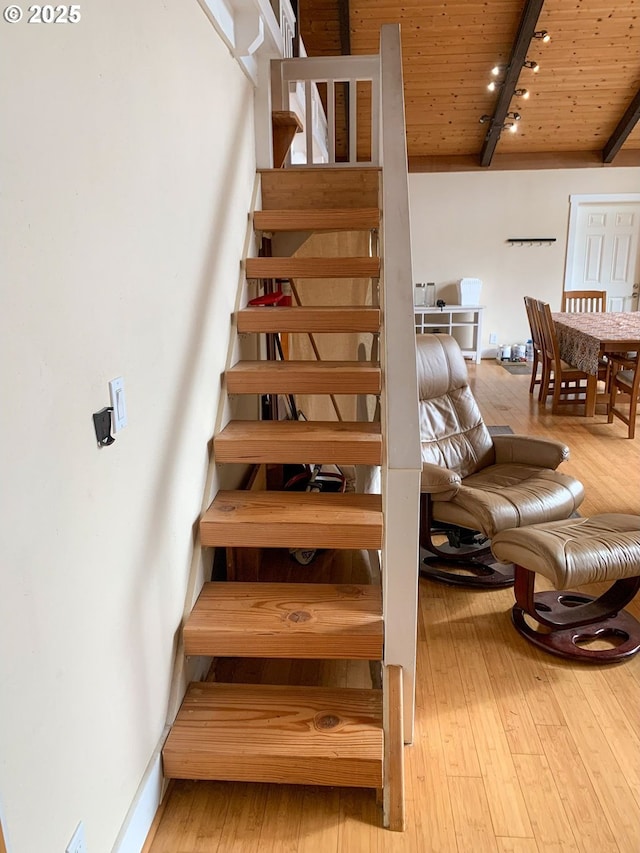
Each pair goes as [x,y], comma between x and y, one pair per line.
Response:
[624,128]
[526,30]
[345,27]
[513,162]
[344,13]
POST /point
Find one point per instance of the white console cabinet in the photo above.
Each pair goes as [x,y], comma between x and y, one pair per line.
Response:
[463,322]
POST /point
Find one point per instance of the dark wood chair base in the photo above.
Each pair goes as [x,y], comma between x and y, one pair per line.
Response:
[466,572]
[470,565]
[564,628]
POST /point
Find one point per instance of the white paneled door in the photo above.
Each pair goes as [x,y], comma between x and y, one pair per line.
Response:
[603,250]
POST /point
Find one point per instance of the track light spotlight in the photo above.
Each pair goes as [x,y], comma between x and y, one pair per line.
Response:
[529,63]
[510,126]
[514,116]
[522,93]
[496,70]
[542,35]
[485,118]
[493,86]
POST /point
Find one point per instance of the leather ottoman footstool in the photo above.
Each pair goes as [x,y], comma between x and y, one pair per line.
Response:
[572,553]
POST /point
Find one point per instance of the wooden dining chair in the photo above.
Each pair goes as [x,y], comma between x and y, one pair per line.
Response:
[541,353]
[624,388]
[545,358]
[532,317]
[567,384]
[584,301]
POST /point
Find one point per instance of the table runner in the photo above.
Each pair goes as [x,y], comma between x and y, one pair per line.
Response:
[582,337]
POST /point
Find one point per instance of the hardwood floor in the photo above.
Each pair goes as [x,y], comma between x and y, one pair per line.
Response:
[515,751]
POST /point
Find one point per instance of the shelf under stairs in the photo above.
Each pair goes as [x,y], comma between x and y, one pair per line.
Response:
[299,734]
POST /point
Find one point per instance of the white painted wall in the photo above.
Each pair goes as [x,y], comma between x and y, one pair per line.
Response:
[460,223]
[127,173]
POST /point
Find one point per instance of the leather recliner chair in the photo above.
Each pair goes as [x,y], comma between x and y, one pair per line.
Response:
[475,485]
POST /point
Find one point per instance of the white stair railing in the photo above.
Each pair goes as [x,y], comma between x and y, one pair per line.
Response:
[399,410]
[287,26]
[402,462]
[295,87]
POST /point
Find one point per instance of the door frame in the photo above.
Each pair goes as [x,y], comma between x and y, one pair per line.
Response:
[577,199]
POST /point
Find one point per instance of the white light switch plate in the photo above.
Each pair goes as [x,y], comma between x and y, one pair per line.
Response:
[116,391]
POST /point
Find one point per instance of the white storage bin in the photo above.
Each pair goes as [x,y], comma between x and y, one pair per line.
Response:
[469,291]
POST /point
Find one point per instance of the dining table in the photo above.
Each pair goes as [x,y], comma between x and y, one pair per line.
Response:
[584,338]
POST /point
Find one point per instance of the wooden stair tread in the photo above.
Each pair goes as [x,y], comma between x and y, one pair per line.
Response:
[339,442]
[303,377]
[293,520]
[268,733]
[320,187]
[309,319]
[286,620]
[330,219]
[350,267]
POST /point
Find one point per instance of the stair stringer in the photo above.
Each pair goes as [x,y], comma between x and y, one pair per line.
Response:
[190,669]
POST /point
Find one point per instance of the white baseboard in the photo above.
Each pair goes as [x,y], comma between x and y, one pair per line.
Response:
[148,797]
[4,841]
[142,811]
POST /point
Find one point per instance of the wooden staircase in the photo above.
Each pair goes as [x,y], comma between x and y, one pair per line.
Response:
[321,735]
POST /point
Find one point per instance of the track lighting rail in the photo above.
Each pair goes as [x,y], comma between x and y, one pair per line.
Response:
[526,32]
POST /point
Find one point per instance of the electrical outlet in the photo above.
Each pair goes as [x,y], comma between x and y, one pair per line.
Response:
[493,338]
[78,843]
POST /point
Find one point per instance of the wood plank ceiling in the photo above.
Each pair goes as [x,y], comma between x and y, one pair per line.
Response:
[583,103]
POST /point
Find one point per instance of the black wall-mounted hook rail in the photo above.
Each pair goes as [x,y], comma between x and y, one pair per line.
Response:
[521,241]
